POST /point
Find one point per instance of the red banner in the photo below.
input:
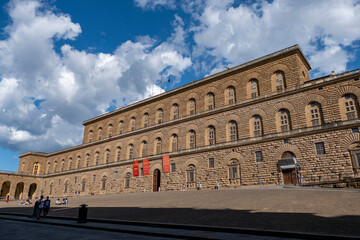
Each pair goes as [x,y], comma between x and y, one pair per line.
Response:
[136,168]
[146,167]
[166,164]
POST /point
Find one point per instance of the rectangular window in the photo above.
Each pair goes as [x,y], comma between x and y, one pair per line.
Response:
[94,178]
[127,182]
[173,167]
[233,172]
[141,171]
[355,130]
[211,163]
[116,175]
[75,179]
[320,148]
[258,156]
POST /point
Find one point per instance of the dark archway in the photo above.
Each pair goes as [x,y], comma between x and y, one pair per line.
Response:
[32,190]
[156,180]
[5,189]
[289,170]
[19,190]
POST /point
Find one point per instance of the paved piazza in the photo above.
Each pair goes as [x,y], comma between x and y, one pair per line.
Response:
[314,210]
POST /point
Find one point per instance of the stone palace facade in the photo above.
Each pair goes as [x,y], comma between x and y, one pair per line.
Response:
[260,123]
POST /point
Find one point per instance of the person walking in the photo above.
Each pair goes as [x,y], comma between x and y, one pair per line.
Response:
[40,207]
[7,198]
[46,206]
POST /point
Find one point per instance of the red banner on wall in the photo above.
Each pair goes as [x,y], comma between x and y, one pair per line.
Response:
[146,167]
[166,164]
[136,168]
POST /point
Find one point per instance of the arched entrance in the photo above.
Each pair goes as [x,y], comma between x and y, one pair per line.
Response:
[156,180]
[19,190]
[32,190]
[5,189]
[288,167]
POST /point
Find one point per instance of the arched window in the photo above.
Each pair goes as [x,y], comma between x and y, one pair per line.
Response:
[22,167]
[355,155]
[190,173]
[103,183]
[97,156]
[143,148]
[36,168]
[100,133]
[70,163]
[55,166]
[211,134]
[127,180]
[159,116]
[233,131]
[278,81]
[91,134]
[146,120]
[315,113]
[51,188]
[78,162]
[62,165]
[210,101]
[83,185]
[192,139]
[87,160]
[175,108]
[192,106]
[48,168]
[66,187]
[234,169]
[284,119]
[118,154]
[110,127]
[174,143]
[107,156]
[254,88]
[231,95]
[350,106]
[158,146]
[257,126]
[121,127]
[131,151]
[133,123]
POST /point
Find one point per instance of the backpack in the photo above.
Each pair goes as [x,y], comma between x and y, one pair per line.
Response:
[46,203]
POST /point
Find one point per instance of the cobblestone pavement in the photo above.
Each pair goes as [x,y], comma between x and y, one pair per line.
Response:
[330,211]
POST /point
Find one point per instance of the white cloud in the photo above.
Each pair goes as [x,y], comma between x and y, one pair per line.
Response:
[238,34]
[152,4]
[45,95]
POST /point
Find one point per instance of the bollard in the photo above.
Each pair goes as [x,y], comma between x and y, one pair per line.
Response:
[82,217]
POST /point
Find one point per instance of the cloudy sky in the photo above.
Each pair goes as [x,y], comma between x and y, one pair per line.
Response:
[62,62]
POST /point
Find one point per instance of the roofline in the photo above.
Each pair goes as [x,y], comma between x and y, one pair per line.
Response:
[321,81]
[193,83]
[40,154]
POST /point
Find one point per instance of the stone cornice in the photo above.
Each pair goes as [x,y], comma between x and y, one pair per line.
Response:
[239,143]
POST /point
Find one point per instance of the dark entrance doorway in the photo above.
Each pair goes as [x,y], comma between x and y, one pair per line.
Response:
[289,174]
[32,190]
[156,180]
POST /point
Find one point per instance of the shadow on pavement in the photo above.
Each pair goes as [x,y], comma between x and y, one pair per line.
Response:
[296,222]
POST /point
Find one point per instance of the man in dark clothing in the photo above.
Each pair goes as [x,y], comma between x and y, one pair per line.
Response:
[46,206]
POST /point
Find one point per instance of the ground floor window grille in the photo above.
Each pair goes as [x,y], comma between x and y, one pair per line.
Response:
[191,174]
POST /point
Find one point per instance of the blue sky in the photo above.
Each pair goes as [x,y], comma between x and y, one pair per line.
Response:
[62,62]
